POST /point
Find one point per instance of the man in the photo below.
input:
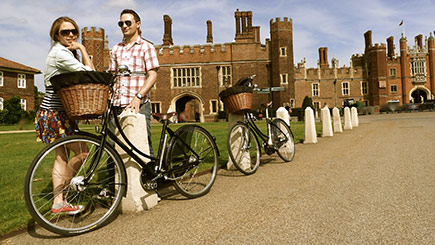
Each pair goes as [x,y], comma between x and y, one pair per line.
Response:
[141,58]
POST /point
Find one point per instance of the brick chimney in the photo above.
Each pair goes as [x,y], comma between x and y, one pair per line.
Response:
[390,47]
[419,41]
[323,57]
[368,38]
[209,32]
[167,37]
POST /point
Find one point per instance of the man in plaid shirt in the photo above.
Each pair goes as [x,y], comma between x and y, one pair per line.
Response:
[141,58]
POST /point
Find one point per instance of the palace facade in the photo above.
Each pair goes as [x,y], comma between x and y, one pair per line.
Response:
[191,76]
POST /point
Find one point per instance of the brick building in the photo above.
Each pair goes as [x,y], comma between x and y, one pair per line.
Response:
[17,79]
[191,76]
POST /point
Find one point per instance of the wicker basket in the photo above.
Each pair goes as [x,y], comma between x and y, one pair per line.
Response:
[239,103]
[84,101]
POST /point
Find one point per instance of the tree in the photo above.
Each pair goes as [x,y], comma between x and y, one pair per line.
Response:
[308,102]
[12,111]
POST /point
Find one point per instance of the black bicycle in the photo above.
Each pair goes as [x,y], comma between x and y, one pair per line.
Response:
[188,157]
[244,147]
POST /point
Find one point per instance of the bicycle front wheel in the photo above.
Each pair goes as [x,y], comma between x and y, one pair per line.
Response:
[192,160]
[65,170]
[244,149]
[283,140]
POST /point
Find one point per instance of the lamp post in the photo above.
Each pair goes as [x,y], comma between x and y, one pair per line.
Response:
[218,87]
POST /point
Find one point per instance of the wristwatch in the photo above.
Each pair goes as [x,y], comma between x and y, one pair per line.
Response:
[139,96]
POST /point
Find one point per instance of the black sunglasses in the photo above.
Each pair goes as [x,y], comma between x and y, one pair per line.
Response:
[127,22]
[66,32]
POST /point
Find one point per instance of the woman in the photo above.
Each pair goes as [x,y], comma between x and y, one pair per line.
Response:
[51,121]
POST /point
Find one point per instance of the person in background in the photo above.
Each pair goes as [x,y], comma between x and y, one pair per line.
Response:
[141,58]
[51,121]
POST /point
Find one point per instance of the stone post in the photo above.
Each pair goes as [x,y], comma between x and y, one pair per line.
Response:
[347,119]
[137,199]
[326,122]
[283,114]
[337,120]
[354,115]
[310,127]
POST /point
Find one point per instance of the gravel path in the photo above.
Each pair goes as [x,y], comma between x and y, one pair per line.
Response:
[373,184]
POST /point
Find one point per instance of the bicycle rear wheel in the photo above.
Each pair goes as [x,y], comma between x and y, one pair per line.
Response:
[244,149]
[283,140]
[192,161]
[99,195]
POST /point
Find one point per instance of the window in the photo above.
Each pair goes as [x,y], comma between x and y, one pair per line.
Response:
[315,89]
[393,88]
[213,106]
[284,78]
[225,75]
[187,77]
[345,88]
[1,104]
[364,88]
[316,105]
[23,104]
[393,72]
[283,51]
[21,81]
[418,67]
[155,107]
[1,79]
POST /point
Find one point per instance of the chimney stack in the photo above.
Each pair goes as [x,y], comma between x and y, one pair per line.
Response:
[167,37]
[419,41]
[368,38]
[209,32]
[390,47]
[323,57]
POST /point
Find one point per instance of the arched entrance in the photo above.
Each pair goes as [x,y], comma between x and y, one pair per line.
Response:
[189,107]
[418,96]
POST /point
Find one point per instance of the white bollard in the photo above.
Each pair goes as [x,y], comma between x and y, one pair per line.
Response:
[354,115]
[310,126]
[326,123]
[232,120]
[137,199]
[347,119]
[336,120]
[283,114]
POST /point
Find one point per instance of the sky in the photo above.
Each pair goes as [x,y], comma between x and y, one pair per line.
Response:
[337,24]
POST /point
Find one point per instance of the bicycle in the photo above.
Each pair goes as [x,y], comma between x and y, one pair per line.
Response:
[244,146]
[188,157]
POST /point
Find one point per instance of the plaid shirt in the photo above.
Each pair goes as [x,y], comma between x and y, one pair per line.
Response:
[140,57]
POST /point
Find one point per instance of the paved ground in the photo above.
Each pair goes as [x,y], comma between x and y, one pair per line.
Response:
[370,185]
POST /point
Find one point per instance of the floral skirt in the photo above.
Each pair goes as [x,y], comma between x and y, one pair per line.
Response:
[51,125]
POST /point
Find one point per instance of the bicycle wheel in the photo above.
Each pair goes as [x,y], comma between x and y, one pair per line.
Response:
[99,196]
[283,140]
[244,149]
[192,160]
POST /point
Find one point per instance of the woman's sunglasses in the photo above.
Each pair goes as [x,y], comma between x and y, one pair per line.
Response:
[127,22]
[68,31]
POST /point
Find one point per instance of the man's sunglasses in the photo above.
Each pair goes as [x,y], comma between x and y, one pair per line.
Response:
[127,22]
[66,32]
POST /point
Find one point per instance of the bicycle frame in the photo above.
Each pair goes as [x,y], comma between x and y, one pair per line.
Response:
[132,150]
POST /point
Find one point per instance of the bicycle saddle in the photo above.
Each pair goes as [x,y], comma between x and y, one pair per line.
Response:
[163,116]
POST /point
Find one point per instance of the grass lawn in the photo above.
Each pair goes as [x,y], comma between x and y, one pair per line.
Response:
[19,149]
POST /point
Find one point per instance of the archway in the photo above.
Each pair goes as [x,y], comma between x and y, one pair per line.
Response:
[189,107]
[418,96]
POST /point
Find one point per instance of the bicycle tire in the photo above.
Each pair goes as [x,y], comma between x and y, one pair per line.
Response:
[242,140]
[192,177]
[100,197]
[283,140]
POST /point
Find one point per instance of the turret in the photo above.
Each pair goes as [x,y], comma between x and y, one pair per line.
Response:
[93,40]
[368,38]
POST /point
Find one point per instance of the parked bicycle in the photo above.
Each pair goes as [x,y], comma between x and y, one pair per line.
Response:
[243,140]
[188,157]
